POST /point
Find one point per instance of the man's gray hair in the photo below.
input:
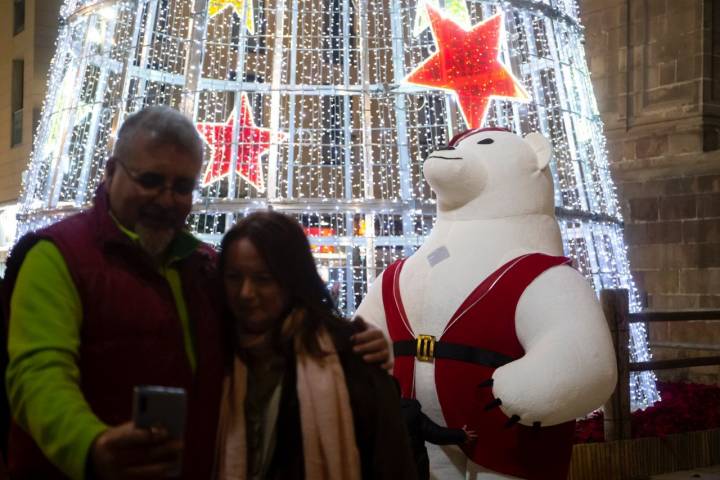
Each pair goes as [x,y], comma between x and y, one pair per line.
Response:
[162,125]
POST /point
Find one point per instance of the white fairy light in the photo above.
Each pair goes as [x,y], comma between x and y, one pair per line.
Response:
[328,78]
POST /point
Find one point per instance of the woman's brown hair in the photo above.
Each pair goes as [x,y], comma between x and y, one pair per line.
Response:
[284,247]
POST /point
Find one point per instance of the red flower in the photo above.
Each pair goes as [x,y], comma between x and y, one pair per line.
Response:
[685,407]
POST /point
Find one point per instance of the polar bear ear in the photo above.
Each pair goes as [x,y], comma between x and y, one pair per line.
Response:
[541,147]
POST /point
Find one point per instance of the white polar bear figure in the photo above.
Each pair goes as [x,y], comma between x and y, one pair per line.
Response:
[510,319]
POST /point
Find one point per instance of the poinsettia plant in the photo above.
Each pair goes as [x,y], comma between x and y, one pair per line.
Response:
[685,407]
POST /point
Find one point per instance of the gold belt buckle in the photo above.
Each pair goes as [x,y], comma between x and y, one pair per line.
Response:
[425,351]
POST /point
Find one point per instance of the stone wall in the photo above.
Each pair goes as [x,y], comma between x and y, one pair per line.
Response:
[656,71]
[35,45]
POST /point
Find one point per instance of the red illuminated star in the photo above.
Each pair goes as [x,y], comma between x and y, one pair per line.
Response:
[466,62]
[253,142]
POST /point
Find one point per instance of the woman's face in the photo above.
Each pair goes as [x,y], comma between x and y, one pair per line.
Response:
[256,299]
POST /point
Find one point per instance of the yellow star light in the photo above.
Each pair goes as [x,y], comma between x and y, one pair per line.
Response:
[217,6]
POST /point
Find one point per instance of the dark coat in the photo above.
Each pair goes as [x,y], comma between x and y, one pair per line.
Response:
[380,432]
[131,333]
[421,430]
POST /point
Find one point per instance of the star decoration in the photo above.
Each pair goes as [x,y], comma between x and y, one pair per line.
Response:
[466,62]
[253,142]
[217,6]
[456,8]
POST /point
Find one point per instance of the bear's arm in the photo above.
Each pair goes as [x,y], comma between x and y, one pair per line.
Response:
[569,367]
[371,308]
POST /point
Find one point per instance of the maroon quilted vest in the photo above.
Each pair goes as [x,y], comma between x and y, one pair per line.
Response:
[131,333]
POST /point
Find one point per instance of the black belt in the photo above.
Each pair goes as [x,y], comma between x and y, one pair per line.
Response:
[425,348]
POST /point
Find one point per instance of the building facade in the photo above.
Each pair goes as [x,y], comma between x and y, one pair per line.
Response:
[656,73]
[28,29]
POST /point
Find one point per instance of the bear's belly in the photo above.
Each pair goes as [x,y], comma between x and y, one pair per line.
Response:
[432,295]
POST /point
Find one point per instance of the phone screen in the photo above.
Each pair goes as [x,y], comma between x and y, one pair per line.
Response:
[165,407]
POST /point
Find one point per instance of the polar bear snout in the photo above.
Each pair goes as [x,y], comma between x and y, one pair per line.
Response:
[445,147]
[445,152]
[444,157]
[455,179]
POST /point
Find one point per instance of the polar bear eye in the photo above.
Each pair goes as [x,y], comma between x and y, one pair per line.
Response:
[486,141]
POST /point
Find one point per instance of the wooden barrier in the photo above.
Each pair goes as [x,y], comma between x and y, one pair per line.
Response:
[621,457]
[639,458]
[615,306]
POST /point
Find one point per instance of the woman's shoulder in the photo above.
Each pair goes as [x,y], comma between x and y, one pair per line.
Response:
[371,376]
[341,332]
[357,370]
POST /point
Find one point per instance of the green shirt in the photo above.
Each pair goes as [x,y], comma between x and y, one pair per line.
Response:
[43,379]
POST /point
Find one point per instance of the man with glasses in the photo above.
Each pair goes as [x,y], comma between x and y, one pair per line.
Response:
[111,298]
[117,296]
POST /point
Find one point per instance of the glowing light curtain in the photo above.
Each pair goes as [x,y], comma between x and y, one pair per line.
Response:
[305,108]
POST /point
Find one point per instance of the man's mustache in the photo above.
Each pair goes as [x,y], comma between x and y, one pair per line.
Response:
[156,214]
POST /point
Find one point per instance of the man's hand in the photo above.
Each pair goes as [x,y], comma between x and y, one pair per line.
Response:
[470,435]
[372,344]
[126,452]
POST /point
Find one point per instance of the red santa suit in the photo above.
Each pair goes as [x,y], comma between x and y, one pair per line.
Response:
[477,339]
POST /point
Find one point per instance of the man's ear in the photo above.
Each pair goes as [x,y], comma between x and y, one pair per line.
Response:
[541,147]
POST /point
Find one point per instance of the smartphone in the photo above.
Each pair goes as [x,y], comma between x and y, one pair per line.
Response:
[160,406]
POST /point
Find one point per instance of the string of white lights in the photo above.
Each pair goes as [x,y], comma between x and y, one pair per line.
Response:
[347,136]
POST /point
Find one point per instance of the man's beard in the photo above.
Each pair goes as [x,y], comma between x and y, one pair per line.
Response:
[156,228]
[155,241]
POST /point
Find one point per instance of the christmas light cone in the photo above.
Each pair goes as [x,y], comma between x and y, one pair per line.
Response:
[308,106]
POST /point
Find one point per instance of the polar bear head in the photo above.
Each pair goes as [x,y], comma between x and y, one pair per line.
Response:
[492,173]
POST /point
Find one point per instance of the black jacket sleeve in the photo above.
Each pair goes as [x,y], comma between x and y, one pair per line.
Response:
[380,431]
[434,433]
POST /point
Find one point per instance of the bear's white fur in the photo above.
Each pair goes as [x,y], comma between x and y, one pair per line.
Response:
[496,202]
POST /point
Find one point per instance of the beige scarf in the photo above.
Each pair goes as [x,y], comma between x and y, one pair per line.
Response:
[328,434]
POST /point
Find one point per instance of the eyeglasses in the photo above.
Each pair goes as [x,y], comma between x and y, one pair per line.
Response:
[157,181]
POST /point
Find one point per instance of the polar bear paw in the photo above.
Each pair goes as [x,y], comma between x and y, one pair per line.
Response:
[496,402]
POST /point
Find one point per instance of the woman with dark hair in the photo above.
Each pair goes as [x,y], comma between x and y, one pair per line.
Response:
[297,402]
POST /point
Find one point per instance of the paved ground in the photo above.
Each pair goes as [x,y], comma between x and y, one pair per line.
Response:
[708,473]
